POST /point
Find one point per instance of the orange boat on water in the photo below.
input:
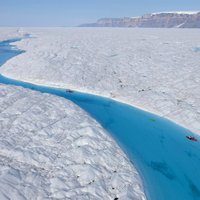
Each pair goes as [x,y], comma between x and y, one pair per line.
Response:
[191,138]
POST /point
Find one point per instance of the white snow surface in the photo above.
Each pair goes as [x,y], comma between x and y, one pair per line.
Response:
[51,149]
[177,12]
[154,69]
[11,33]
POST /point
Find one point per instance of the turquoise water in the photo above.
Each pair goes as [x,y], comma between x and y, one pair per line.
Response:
[8,51]
[197,49]
[168,163]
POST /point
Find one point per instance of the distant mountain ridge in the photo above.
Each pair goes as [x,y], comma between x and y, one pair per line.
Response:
[179,19]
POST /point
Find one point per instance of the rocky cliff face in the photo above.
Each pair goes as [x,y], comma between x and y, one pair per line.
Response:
[155,20]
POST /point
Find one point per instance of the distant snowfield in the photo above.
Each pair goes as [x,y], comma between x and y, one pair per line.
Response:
[154,69]
[51,149]
[11,33]
[178,12]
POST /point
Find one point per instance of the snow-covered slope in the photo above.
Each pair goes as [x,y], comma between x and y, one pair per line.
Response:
[156,69]
[51,149]
[177,12]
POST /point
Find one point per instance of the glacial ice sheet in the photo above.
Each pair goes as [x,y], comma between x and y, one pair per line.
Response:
[155,69]
[52,149]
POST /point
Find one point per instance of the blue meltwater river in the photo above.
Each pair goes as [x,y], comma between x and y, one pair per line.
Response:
[167,161]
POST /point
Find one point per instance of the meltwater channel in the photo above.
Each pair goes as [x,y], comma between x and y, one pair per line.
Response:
[168,163]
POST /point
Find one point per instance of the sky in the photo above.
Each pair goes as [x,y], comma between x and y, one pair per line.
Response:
[75,12]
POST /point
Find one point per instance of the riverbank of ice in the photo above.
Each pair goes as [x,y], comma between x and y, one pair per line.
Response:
[52,149]
[155,69]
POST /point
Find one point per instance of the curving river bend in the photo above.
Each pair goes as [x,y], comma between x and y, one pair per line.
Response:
[168,163]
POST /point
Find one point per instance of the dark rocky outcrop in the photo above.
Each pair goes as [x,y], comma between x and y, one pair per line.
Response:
[155,20]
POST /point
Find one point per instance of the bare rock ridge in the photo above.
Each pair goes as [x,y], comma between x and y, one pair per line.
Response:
[154,20]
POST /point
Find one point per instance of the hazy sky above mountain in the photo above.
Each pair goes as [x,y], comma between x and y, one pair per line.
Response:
[75,12]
